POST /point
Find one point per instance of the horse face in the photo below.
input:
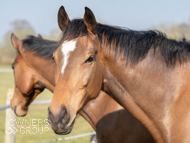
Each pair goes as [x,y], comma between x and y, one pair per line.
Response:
[78,77]
[27,87]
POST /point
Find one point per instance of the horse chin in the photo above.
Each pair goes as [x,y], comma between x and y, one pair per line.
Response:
[66,130]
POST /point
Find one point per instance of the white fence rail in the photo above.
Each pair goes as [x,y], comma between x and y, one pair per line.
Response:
[5,70]
[9,138]
[72,137]
[40,101]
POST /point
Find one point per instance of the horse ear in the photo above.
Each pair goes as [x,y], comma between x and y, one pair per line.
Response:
[63,18]
[90,21]
[16,42]
[39,36]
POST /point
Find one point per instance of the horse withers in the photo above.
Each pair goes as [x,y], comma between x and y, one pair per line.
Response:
[34,70]
[144,71]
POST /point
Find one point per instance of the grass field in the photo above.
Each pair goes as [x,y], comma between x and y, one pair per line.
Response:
[34,133]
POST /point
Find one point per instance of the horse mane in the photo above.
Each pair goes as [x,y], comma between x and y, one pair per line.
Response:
[134,45]
[41,47]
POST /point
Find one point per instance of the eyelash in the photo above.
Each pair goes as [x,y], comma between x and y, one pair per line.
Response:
[90,59]
[13,66]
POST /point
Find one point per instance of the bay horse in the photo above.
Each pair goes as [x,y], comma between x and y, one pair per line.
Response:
[144,71]
[34,70]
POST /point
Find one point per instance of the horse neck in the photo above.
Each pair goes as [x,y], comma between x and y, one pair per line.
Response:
[116,84]
[44,68]
[93,114]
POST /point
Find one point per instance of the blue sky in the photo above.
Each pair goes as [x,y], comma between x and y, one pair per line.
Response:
[133,14]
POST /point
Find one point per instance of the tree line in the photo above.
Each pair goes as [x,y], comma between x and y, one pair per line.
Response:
[21,28]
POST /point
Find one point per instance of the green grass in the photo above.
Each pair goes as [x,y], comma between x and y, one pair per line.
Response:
[36,112]
[6,82]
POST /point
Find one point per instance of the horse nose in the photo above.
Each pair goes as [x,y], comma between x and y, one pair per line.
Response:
[19,110]
[58,122]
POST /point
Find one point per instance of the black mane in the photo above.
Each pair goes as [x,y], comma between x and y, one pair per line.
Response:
[134,45]
[41,47]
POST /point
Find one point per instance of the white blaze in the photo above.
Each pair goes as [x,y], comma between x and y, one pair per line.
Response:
[67,47]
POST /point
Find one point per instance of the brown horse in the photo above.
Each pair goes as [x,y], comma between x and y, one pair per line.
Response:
[143,71]
[34,70]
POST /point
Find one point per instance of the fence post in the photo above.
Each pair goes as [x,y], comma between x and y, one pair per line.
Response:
[10,120]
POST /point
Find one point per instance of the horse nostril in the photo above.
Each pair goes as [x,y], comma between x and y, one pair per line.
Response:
[49,121]
[49,115]
[15,107]
[65,117]
[65,114]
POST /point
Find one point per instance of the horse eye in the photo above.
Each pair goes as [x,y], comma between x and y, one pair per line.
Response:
[90,59]
[13,66]
[53,58]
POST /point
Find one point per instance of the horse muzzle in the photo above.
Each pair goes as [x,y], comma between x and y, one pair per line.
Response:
[59,122]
